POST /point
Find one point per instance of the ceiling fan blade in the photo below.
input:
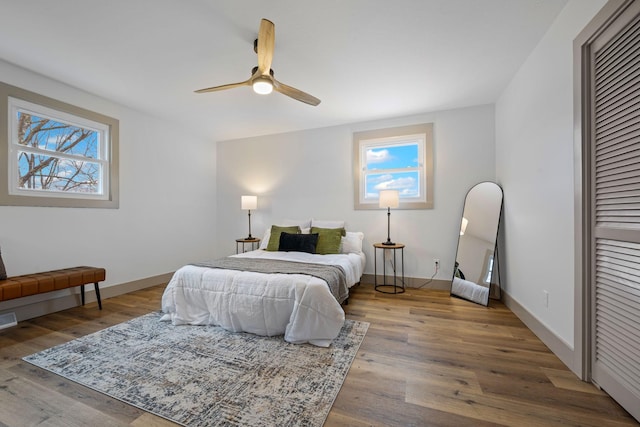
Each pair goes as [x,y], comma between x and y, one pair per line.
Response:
[262,75]
[266,44]
[294,93]
[223,87]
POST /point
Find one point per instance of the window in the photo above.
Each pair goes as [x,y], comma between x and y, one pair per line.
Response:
[488,269]
[56,154]
[394,159]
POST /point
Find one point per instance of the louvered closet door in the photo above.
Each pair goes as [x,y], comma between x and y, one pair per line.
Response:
[615,154]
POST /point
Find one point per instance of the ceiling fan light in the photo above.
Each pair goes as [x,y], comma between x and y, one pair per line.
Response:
[262,86]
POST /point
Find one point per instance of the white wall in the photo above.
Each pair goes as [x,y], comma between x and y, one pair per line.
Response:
[167,201]
[534,164]
[310,174]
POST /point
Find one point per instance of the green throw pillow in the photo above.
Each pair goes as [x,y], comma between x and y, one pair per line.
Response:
[274,238]
[328,240]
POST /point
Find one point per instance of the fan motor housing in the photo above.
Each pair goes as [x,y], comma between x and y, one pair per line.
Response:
[254,69]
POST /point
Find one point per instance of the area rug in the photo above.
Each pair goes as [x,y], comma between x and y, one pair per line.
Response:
[206,376]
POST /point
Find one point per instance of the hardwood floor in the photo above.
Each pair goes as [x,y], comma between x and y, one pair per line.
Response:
[427,360]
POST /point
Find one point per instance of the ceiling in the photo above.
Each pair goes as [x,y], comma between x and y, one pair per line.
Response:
[365,59]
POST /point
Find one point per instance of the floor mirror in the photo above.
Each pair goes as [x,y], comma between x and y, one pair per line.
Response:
[475,273]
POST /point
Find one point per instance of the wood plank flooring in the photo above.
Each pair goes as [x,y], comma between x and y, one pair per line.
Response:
[427,360]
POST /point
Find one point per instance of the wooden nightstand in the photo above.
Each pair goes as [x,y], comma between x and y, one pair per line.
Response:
[385,287]
[255,244]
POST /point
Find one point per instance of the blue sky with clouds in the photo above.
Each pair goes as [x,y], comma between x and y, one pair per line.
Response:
[393,167]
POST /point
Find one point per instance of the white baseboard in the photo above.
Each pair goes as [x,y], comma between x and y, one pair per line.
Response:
[557,345]
[51,302]
[413,282]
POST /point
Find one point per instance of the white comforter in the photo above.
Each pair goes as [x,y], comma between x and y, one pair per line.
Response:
[299,306]
[470,290]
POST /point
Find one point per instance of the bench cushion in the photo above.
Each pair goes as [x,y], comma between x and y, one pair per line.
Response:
[38,283]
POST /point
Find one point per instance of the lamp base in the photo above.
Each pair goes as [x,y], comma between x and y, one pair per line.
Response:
[388,243]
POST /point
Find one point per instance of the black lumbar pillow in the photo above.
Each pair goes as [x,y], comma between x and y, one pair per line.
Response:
[3,271]
[298,242]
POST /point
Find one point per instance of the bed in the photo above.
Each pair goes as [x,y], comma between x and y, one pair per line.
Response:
[302,306]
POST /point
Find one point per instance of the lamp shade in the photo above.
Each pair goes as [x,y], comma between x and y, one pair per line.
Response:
[249,202]
[389,199]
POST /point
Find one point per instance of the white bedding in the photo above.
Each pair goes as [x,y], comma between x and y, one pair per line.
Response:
[470,290]
[299,306]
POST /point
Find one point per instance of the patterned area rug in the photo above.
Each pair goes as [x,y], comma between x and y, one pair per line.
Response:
[206,376]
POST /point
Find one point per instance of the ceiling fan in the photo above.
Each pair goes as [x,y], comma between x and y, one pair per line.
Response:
[262,79]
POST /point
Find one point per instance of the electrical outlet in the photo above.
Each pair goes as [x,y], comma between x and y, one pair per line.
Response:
[546,299]
[436,264]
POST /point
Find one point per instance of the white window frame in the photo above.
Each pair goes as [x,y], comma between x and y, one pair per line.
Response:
[12,100]
[422,135]
[487,271]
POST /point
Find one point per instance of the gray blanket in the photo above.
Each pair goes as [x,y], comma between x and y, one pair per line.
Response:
[334,275]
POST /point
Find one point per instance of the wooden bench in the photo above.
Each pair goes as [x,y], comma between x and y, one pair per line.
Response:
[48,281]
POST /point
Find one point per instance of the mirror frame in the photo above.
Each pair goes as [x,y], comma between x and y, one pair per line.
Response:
[494,286]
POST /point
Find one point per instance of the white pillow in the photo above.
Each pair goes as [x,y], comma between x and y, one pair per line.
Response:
[352,242]
[327,224]
[302,223]
[265,239]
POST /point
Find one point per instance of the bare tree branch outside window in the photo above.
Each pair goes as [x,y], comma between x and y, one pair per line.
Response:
[60,156]
[56,154]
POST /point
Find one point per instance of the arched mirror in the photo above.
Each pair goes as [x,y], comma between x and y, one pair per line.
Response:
[476,267]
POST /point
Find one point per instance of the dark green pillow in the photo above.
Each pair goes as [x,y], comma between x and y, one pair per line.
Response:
[274,238]
[328,240]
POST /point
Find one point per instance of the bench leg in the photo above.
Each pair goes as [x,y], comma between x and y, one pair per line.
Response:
[95,285]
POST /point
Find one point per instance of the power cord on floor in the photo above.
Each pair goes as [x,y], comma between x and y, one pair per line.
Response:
[429,280]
